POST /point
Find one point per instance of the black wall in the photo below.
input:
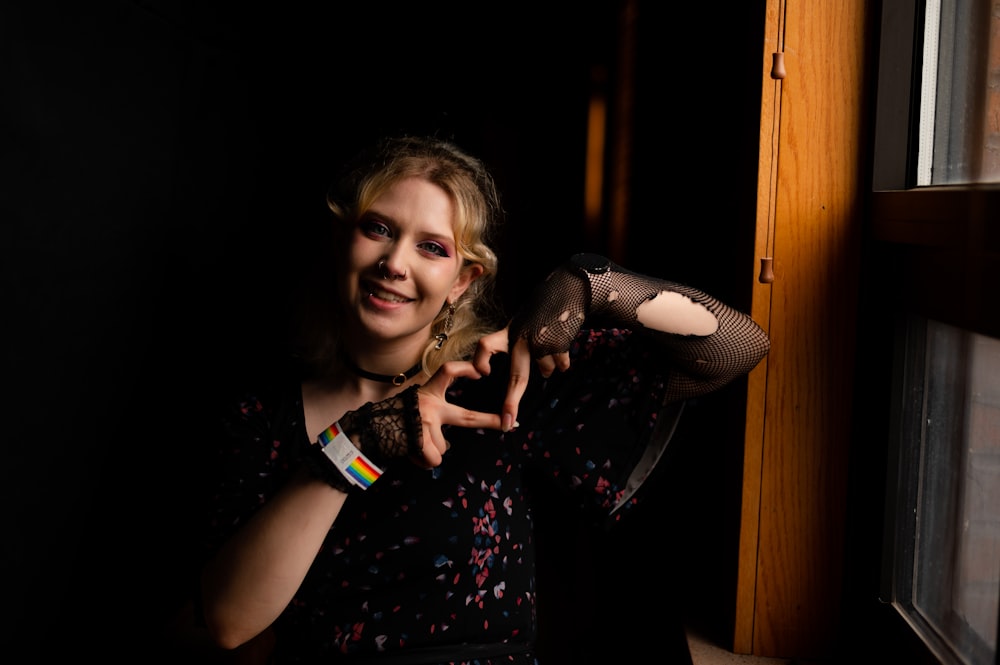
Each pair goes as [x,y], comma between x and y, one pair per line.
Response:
[162,166]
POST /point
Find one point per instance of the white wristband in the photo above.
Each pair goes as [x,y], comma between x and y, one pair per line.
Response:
[340,450]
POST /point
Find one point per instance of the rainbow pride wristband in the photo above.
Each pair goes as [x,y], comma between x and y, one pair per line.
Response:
[340,450]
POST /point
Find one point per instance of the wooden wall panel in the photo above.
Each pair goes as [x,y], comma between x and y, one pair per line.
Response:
[799,405]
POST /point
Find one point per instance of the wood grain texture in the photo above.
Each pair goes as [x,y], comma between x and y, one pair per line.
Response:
[799,413]
[746,580]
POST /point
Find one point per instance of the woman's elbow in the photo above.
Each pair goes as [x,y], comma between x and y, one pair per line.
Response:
[252,645]
[227,633]
[228,626]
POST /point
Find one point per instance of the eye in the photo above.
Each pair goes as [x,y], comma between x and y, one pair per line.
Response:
[374,228]
[435,248]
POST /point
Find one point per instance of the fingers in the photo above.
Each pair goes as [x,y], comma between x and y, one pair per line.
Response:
[495,342]
[561,361]
[435,445]
[546,365]
[460,417]
[520,370]
[436,412]
[446,375]
[550,363]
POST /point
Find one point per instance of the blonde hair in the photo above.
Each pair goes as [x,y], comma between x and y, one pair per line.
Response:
[477,213]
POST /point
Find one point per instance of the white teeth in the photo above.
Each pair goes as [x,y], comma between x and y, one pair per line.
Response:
[385,295]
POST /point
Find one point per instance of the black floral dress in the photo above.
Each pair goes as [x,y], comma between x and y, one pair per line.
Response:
[438,566]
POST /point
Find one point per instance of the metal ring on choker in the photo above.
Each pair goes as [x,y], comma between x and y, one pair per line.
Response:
[394,379]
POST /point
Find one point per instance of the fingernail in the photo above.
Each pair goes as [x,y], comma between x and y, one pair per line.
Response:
[505,422]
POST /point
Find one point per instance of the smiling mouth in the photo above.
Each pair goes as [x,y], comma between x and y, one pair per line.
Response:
[375,292]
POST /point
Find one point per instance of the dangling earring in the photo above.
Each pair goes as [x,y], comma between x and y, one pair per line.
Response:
[449,320]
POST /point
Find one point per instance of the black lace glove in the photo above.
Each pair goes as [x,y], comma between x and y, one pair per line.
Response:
[381,431]
[710,342]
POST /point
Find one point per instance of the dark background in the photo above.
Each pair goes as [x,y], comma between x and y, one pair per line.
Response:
[162,173]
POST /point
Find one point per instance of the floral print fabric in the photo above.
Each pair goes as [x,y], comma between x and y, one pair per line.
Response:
[442,561]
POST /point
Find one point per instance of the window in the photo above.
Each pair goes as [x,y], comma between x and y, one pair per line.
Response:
[946,572]
[935,214]
[940,66]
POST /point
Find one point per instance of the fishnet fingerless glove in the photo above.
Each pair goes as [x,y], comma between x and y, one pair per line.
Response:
[382,431]
[590,285]
[387,429]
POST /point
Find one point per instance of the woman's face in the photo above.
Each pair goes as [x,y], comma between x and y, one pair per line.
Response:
[411,228]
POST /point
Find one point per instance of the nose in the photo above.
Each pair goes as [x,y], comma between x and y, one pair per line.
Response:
[389,269]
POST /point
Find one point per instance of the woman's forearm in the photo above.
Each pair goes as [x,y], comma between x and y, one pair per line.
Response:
[707,342]
[255,574]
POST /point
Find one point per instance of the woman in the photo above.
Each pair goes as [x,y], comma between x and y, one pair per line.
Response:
[376,506]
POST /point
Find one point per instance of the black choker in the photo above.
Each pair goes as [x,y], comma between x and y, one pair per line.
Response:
[394,379]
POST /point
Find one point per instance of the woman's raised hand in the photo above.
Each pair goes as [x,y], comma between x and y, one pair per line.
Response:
[436,411]
[520,369]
